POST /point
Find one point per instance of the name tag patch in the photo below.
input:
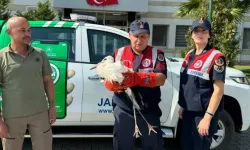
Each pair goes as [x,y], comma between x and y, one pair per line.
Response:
[195,73]
[146,70]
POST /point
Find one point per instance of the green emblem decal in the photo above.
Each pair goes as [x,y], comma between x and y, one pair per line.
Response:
[55,73]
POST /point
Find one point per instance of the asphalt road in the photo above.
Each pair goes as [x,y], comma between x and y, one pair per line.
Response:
[241,142]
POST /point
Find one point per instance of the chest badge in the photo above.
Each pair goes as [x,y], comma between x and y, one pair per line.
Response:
[146,62]
[198,64]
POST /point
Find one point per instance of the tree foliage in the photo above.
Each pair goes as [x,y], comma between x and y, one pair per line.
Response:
[4,11]
[225,17]
[43,12]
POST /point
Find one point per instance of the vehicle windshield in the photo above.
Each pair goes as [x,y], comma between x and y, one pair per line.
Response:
[56,34]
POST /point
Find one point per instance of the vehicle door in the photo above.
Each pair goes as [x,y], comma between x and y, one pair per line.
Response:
[97,100]
[73,79]
[166,95]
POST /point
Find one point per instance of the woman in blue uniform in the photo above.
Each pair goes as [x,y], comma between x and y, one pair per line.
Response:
[201,89]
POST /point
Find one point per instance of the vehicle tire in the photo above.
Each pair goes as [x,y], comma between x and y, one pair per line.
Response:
[225,134]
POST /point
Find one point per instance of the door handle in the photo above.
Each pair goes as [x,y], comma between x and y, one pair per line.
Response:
[95,77]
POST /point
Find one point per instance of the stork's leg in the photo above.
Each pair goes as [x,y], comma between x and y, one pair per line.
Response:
[137,132]
[150,127]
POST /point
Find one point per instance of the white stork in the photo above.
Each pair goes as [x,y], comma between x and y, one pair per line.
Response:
[112,71]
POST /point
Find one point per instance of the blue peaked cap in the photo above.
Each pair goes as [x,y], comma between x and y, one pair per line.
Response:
[139,26]
[201,23]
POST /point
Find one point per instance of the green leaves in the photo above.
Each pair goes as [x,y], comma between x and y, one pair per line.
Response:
[225,17]
[4,11]
[43,12]
[187,8]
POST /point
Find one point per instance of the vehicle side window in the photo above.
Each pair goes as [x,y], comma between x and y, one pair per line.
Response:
[103,43]
[58,34]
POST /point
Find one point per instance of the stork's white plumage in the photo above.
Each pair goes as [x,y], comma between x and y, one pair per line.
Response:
[112,71]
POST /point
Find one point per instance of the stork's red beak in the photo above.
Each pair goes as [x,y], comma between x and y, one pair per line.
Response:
[93,67]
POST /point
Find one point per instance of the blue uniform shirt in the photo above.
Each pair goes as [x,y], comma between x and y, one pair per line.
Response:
[195,92]
[147,98]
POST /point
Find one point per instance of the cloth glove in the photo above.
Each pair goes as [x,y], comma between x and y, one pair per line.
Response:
[145,79]
[112,86]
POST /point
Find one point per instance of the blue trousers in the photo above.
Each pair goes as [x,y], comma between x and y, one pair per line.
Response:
[191,140]
[124,128]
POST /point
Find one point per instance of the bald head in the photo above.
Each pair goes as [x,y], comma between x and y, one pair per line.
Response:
[16,21]
[18,29]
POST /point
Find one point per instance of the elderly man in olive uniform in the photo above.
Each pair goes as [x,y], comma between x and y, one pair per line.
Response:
[25,77]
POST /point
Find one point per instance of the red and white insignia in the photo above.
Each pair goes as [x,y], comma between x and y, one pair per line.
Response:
[198,64]
[146,62]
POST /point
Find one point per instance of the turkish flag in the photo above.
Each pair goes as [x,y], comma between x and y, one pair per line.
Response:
[102,2]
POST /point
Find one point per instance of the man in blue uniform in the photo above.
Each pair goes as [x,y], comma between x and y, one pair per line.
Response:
[149,73]
[201,89]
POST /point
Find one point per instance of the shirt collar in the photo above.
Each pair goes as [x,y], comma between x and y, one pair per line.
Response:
[135,53]
[29,48]
[207,48]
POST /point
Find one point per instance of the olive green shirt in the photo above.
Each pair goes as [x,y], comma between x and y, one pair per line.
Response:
[21,80]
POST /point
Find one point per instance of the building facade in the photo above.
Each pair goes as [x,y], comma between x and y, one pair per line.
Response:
[168,31]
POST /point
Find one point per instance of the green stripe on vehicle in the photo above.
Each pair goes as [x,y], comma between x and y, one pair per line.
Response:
[50,24]
[47,23]
[53,24]
[60,24]
[68,24]
[75,25]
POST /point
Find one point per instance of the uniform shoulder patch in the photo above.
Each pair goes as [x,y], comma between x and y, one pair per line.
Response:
[160,57]
[219,61]
[219,68]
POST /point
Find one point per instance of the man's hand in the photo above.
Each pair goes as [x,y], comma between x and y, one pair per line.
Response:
[49,89]
[113,86]
[180,112]
[3,129]
[52,115]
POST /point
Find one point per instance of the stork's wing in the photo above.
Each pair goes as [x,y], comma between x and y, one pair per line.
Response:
[112,72]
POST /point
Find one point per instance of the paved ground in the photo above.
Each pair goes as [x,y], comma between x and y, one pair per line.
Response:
[241,142]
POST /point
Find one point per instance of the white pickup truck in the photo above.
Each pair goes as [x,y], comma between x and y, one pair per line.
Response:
[89,104]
